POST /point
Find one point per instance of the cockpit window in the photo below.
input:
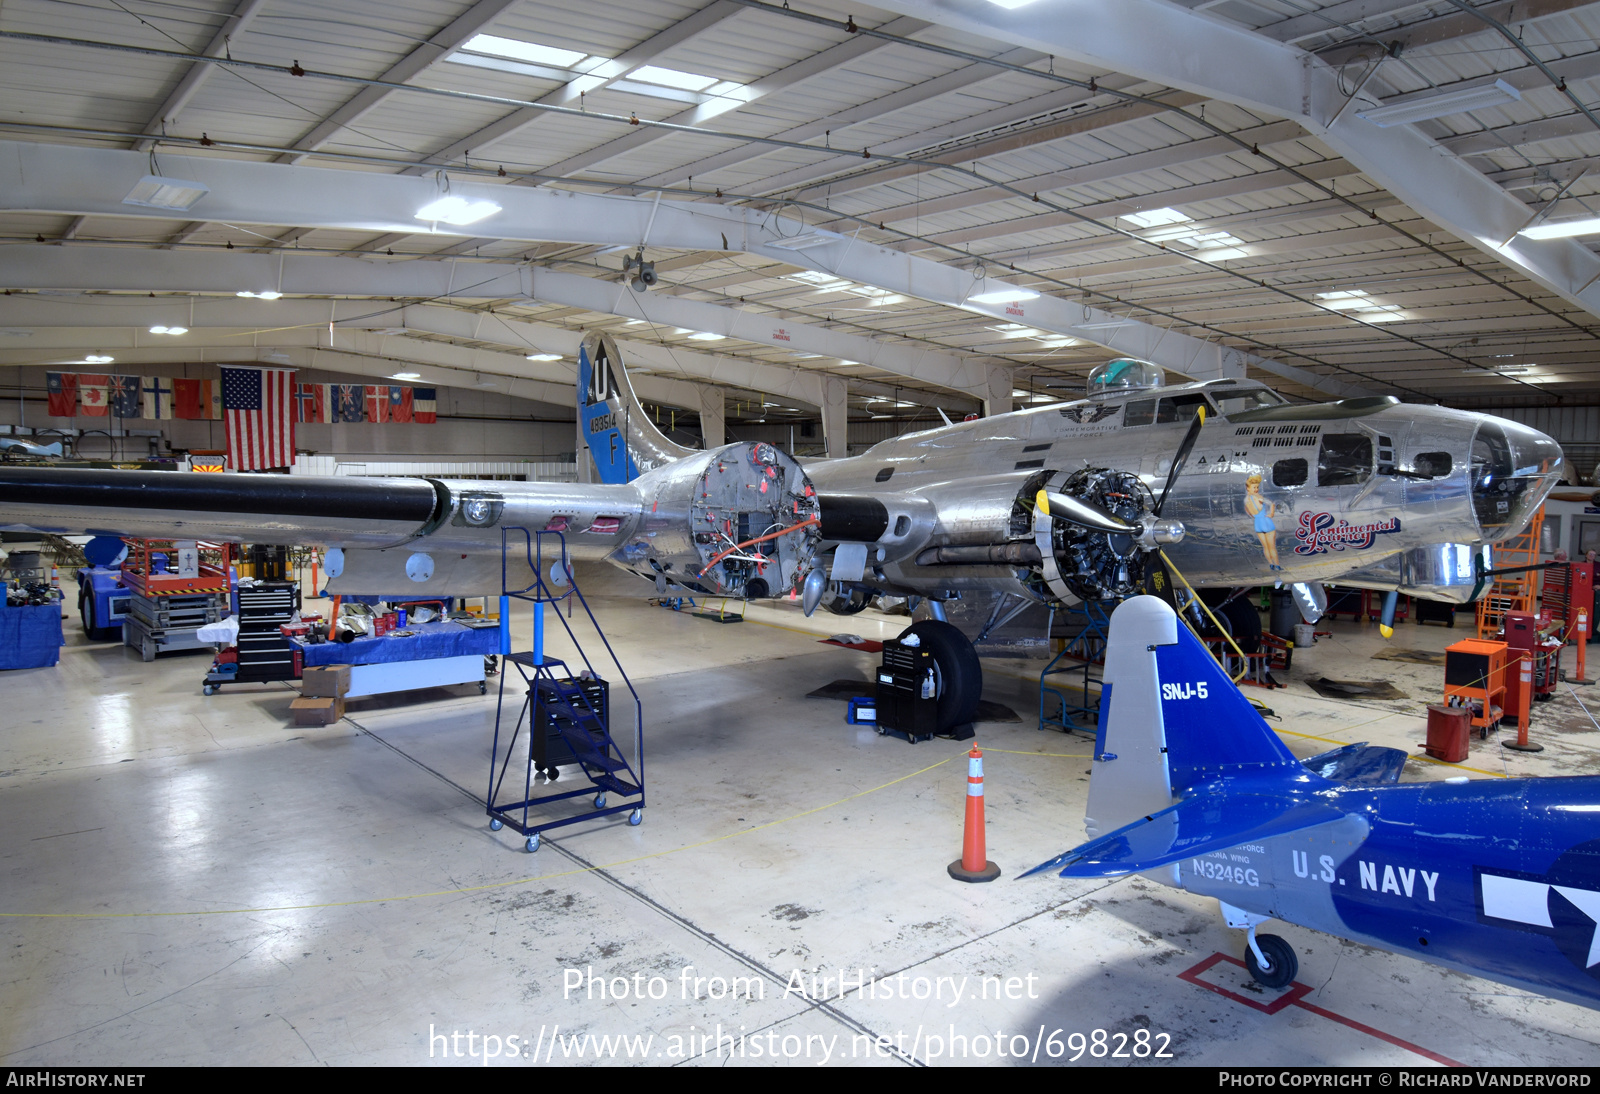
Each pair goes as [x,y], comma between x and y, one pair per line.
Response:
[1180,408]
[1345,459]
[1237,402]
[1142,412]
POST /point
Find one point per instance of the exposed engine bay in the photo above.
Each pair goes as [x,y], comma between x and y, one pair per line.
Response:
[740,521]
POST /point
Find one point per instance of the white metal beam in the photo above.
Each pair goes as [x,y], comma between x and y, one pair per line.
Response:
[66,179]
[1168,45]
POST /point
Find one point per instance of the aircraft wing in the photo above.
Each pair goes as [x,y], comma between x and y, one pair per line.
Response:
[1214,819]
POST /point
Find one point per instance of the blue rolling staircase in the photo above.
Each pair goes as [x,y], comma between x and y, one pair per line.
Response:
[1081,654]
[563,712]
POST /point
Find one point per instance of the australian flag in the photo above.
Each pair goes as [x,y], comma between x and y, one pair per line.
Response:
[126,396]
[349,402]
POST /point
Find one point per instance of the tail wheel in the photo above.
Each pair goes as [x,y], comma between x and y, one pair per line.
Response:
[1285,965]
[957,671]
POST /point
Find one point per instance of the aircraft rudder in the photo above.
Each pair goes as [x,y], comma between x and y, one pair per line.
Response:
[1210,725]
[614,426]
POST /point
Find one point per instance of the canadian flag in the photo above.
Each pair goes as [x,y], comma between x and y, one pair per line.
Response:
[92,394]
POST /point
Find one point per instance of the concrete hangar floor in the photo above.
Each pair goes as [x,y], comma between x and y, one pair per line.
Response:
[189,880]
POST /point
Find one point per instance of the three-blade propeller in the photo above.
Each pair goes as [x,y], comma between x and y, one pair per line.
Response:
[1086,514]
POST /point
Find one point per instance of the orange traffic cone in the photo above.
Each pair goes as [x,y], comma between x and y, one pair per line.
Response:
[973,865]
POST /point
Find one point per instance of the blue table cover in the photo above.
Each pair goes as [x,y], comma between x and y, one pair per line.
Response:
[30,636]
[445,638]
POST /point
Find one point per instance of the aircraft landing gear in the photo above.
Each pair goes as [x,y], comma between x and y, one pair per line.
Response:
[1270,959]
[958,675]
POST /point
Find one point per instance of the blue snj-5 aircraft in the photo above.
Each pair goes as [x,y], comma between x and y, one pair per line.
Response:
[1499,878]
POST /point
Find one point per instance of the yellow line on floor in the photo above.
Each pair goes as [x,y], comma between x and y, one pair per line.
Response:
[479,888]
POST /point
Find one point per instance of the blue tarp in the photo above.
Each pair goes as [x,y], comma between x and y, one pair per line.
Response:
[30,636]
[441,639]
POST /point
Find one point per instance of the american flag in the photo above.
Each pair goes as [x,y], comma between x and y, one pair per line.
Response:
[257,407]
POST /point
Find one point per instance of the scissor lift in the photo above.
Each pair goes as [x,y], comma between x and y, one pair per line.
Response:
[575,709]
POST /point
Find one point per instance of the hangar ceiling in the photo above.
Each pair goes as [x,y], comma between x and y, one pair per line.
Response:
[936,202]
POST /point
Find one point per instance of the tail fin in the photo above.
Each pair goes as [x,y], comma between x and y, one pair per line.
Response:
[617,431]
[1169,718]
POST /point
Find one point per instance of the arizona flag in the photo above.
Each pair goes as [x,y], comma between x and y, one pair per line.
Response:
[257,409]
[63,389]
[92,390]
[424,405]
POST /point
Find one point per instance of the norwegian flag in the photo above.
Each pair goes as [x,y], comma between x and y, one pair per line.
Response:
[313,403]
[92,390]
[63,391]
[424,405]
[257,409]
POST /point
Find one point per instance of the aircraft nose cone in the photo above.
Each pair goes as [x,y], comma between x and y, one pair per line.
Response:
[1514,467]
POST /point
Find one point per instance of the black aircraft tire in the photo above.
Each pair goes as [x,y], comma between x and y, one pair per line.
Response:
[1285,965]
[960,673]
[857,601]
[1244,623]
[86,615]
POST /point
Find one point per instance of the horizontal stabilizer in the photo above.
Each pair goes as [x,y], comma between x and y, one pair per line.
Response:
[1212,820]
[1359,765]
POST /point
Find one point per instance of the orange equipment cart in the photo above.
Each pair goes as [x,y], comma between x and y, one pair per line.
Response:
[1475,676]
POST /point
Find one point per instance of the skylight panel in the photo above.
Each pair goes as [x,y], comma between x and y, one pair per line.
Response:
[496,46]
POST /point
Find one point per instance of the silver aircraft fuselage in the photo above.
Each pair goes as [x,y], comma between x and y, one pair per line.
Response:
[1367,491]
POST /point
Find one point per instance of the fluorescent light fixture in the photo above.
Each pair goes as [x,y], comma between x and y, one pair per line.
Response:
[671,77]
[1101,325]
[268,295]
[405,376]
[1588,226]
[523,51]
[802,242]
[705,336]
[452,209]
[160,192]
[1011,5]
[169,330]
[1004,295]
[1498,93]
[544,356]
[97,359]
[1153,217]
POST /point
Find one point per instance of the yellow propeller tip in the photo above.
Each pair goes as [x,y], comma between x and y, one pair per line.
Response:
[1387,632]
